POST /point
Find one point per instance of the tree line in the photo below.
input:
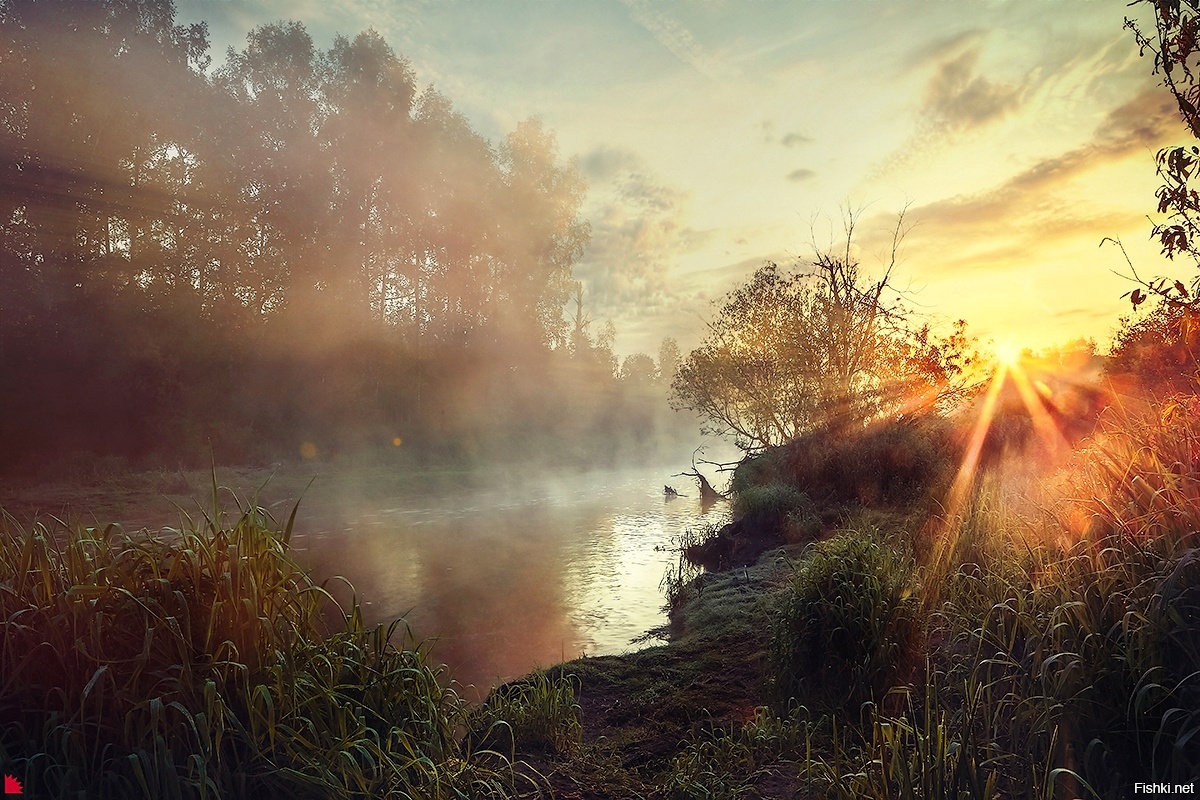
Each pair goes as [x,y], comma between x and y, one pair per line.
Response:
[297,246]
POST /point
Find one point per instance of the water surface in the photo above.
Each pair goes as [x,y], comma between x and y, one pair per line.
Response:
[510,575]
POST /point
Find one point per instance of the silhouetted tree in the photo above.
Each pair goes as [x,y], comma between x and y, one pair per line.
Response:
[1175,46]
[298,246]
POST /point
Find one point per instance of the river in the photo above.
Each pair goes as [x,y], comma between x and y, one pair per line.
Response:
[505,575]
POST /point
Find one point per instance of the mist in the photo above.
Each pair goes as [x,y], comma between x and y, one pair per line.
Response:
[297,256]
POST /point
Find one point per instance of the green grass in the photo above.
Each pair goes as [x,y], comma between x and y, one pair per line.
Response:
[536,714]
[845,627]
[779,508]
[202,665]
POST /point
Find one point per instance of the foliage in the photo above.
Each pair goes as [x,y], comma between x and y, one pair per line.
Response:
[1158,350]
[678,582]
[202,666]
[898,464]
[299,246]
[779,508]
[1174,45]
[725,763]
[824,346]
[845,625]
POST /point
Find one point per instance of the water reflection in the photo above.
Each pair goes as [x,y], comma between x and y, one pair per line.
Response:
[510,578]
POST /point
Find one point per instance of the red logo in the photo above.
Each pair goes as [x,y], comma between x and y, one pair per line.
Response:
[12,785]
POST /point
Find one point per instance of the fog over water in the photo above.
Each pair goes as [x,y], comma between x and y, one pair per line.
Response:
[509,576]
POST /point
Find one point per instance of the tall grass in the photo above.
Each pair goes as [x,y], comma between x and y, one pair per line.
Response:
[1060,633]
[777,508]
[201,665]
[844,628]
[727,762]
[679,583]
[536,714]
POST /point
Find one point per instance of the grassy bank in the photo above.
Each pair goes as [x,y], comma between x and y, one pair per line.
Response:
[1039,636]
[1042,639]
[209,665]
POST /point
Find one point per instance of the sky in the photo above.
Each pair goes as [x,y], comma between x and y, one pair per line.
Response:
[716,135]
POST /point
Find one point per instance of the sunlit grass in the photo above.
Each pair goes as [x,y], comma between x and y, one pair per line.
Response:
[1059,626]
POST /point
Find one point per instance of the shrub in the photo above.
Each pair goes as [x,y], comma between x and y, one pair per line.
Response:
[778,508]
[538,713]
[890,464]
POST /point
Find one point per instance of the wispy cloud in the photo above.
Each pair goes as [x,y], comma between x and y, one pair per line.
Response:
[639,228]
[606,162]
[939,50]
[958,98]
[1141,125]
[677,39]
[801,175]
[1009,223]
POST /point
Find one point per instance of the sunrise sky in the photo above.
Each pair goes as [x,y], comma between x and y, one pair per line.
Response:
[715,135]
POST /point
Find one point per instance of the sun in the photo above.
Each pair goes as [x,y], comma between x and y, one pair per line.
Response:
[1008,354]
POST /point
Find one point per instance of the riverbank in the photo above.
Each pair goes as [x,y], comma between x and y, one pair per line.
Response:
[507,572]
[644,714]
[1034,633]
[1038,634]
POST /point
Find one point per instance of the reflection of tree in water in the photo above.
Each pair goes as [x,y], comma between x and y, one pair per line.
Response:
[504,589]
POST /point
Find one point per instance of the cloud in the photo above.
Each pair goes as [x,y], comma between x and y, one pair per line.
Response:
[788,139]
[604,163]
[795,139]
[939,50]
[639,228]
[677,39]
[1011,222]
[801,175]
[957,98]
[1141,125]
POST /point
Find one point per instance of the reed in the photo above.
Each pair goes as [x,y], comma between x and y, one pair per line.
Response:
[200,664]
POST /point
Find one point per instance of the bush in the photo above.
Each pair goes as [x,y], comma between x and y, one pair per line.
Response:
[778,508]
[894,464]
[536,714]
[844,625]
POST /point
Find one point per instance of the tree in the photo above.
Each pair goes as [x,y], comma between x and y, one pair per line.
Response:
[1158,349]
[668,360]
[1175,47]
[821,346]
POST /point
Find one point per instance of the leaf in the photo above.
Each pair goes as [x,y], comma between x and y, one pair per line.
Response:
[95,677]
